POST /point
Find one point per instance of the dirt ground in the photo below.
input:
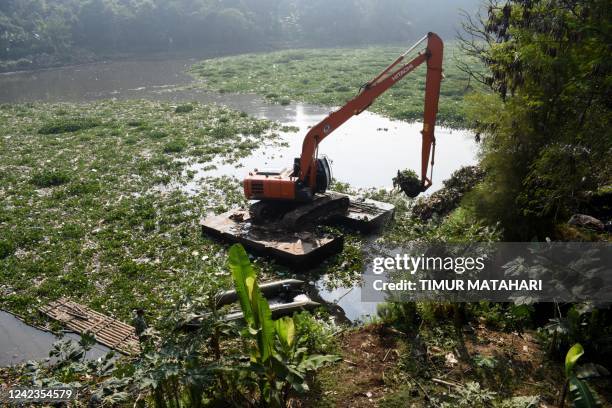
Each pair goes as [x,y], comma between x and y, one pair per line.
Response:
[373,370]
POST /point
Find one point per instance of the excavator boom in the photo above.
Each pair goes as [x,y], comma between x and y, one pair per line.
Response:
[311,175]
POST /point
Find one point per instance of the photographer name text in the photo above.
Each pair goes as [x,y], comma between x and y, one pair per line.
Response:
[459,285]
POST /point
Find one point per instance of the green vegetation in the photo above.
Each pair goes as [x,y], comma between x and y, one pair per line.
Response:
[546,128]
[408,182]
[333,76]
[97,213]
[581,395]
[183,108]
[50,178]
[206,367]
[63,125]
[277,357]
[93,207]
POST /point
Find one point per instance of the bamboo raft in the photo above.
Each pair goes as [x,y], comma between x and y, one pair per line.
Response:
[106,330]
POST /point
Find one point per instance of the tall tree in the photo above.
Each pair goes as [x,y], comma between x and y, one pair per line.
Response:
[547,141]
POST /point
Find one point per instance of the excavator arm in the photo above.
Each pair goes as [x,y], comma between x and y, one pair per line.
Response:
[311,175]
[372,90]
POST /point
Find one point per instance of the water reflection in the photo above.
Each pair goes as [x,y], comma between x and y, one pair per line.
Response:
[366,151]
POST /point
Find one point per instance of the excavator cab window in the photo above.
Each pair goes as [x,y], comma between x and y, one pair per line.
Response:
[324,174]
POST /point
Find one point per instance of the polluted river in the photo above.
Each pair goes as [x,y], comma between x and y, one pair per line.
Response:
[366,152]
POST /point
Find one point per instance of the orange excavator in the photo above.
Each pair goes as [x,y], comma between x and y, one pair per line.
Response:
[292,202]
[297,195]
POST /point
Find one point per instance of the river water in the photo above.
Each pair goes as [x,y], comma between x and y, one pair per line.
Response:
[366,151]
[20,342]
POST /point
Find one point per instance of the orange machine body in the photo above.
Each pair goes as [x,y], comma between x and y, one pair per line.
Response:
[269,185]
[311,175]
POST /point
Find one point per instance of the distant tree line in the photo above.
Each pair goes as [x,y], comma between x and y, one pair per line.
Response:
[64,27]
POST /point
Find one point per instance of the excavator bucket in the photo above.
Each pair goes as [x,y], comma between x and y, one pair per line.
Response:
[408,182]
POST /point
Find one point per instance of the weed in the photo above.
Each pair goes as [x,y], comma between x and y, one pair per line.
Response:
[135,122]
[175,146]
[50,178]
[485,361]
[183,108]
[307,78]
[157,134]
[277,359]
[105,211]
[581,394]
[67,125]
[6,248]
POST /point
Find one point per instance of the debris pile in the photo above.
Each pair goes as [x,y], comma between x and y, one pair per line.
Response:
[586,221]
[408,182]
[447,198]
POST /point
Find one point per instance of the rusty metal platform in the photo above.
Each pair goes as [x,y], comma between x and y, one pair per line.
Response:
[291,247]
[366,215]
[301,248]
[106,330]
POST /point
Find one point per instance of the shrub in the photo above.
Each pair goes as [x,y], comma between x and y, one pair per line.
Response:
[6,248]
[135,122]
[157,134]
[84,187]
[175,146]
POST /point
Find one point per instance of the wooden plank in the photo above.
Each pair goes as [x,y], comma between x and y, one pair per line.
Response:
[106,330]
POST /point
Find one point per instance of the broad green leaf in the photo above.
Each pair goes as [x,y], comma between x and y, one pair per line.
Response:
[316,361]
[285,328]
[265,337]
[581,394]
[280,368]
[254,306]
[572,357]
[241,270]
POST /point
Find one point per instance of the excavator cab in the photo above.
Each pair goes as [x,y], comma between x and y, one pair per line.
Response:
[324,174]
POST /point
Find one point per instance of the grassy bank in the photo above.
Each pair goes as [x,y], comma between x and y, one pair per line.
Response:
[91,205]
[333,76]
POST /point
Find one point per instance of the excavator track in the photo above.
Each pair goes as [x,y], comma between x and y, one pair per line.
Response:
[292,216]
[323,208]
[270,212]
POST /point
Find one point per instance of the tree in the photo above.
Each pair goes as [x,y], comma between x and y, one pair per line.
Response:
[547,138]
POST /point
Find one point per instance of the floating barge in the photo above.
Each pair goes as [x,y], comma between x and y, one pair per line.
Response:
[301,247]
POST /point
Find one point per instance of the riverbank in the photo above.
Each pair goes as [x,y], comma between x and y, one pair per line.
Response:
[79,57]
